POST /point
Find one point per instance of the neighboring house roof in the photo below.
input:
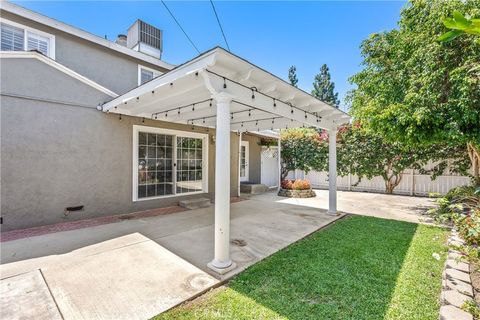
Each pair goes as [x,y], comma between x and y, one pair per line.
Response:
[31,15]
[56,65]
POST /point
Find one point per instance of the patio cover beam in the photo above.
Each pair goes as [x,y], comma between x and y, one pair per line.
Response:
[205,92]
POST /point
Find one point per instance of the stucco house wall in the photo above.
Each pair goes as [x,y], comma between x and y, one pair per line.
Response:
[56,155]
[113,70]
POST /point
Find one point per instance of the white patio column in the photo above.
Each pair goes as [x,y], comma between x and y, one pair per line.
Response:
[279,163]
[332,171]
[239,161]
[221,262]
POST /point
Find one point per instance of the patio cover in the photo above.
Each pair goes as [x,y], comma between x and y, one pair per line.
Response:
[221,90]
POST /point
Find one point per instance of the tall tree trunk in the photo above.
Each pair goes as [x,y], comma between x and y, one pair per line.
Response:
[474,154]
[391,179]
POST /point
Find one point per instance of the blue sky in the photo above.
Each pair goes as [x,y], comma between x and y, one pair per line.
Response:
[273,35]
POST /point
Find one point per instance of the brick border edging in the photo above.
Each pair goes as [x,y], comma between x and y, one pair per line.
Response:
[293,193]
[456,283]
[92,222]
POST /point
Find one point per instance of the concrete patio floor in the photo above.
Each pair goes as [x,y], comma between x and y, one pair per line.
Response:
[135,269]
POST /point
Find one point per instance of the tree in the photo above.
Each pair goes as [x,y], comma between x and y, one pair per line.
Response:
[302,150]
[417,91]
[459,25]
[324,88]
[292,76]
[366,155]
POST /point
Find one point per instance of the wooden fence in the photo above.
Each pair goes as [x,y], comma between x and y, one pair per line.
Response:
[412,183]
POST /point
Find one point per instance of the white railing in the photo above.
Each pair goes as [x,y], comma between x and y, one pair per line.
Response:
[412,183]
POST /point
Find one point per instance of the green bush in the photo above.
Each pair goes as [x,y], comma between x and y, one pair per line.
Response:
[458,202]
[469,227]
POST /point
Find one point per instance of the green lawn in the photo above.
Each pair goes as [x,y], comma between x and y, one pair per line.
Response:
[358,268]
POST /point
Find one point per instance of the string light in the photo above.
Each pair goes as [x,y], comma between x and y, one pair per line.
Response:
[156,117]
[143,120]
[120,117]
[138,98]
[266,95]
[249,113]
[224,83]
[253,94]
[193,107]
[210,102]
[178,110]
[153,91]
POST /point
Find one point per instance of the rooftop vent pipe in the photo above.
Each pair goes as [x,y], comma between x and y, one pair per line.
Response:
[122,40]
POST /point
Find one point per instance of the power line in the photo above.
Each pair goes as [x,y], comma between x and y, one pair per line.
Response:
[178,23]
[220,25]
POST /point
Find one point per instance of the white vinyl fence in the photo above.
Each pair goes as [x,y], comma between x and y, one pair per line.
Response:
[412,183]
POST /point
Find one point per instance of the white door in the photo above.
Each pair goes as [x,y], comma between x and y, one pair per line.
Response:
[269,168]
[244,156]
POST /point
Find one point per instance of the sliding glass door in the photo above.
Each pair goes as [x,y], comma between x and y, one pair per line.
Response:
[168,162]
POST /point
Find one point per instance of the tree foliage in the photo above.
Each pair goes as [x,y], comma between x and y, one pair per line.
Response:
[302,150]
[366,155]
[459,25]
[417,91]
[292,76]
[324,88]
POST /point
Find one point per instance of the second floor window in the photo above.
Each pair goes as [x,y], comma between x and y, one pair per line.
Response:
[15,37]
[146,74]
[12,38]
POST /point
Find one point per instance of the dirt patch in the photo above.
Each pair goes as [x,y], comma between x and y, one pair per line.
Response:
[475,277]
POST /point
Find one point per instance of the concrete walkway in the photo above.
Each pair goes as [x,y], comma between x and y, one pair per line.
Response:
[135,269]
[395,207]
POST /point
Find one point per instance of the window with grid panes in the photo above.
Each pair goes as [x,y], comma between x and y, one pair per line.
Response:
[155,165]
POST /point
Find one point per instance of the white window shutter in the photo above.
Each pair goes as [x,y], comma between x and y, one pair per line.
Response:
[12,38]
[37,42]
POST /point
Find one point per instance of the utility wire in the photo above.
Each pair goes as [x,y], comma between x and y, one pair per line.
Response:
[220,25]
[178,23]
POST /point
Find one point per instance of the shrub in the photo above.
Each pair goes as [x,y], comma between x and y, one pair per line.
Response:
[469,227]
[457,202]
[287,184]
[301,185]
[296,184]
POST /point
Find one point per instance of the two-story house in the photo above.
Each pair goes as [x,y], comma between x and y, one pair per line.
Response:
[91,127]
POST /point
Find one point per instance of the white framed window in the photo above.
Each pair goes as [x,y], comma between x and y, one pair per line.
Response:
[168,163]
[17,37]
[146,74]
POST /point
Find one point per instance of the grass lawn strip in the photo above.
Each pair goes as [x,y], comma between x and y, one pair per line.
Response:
[358,268]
